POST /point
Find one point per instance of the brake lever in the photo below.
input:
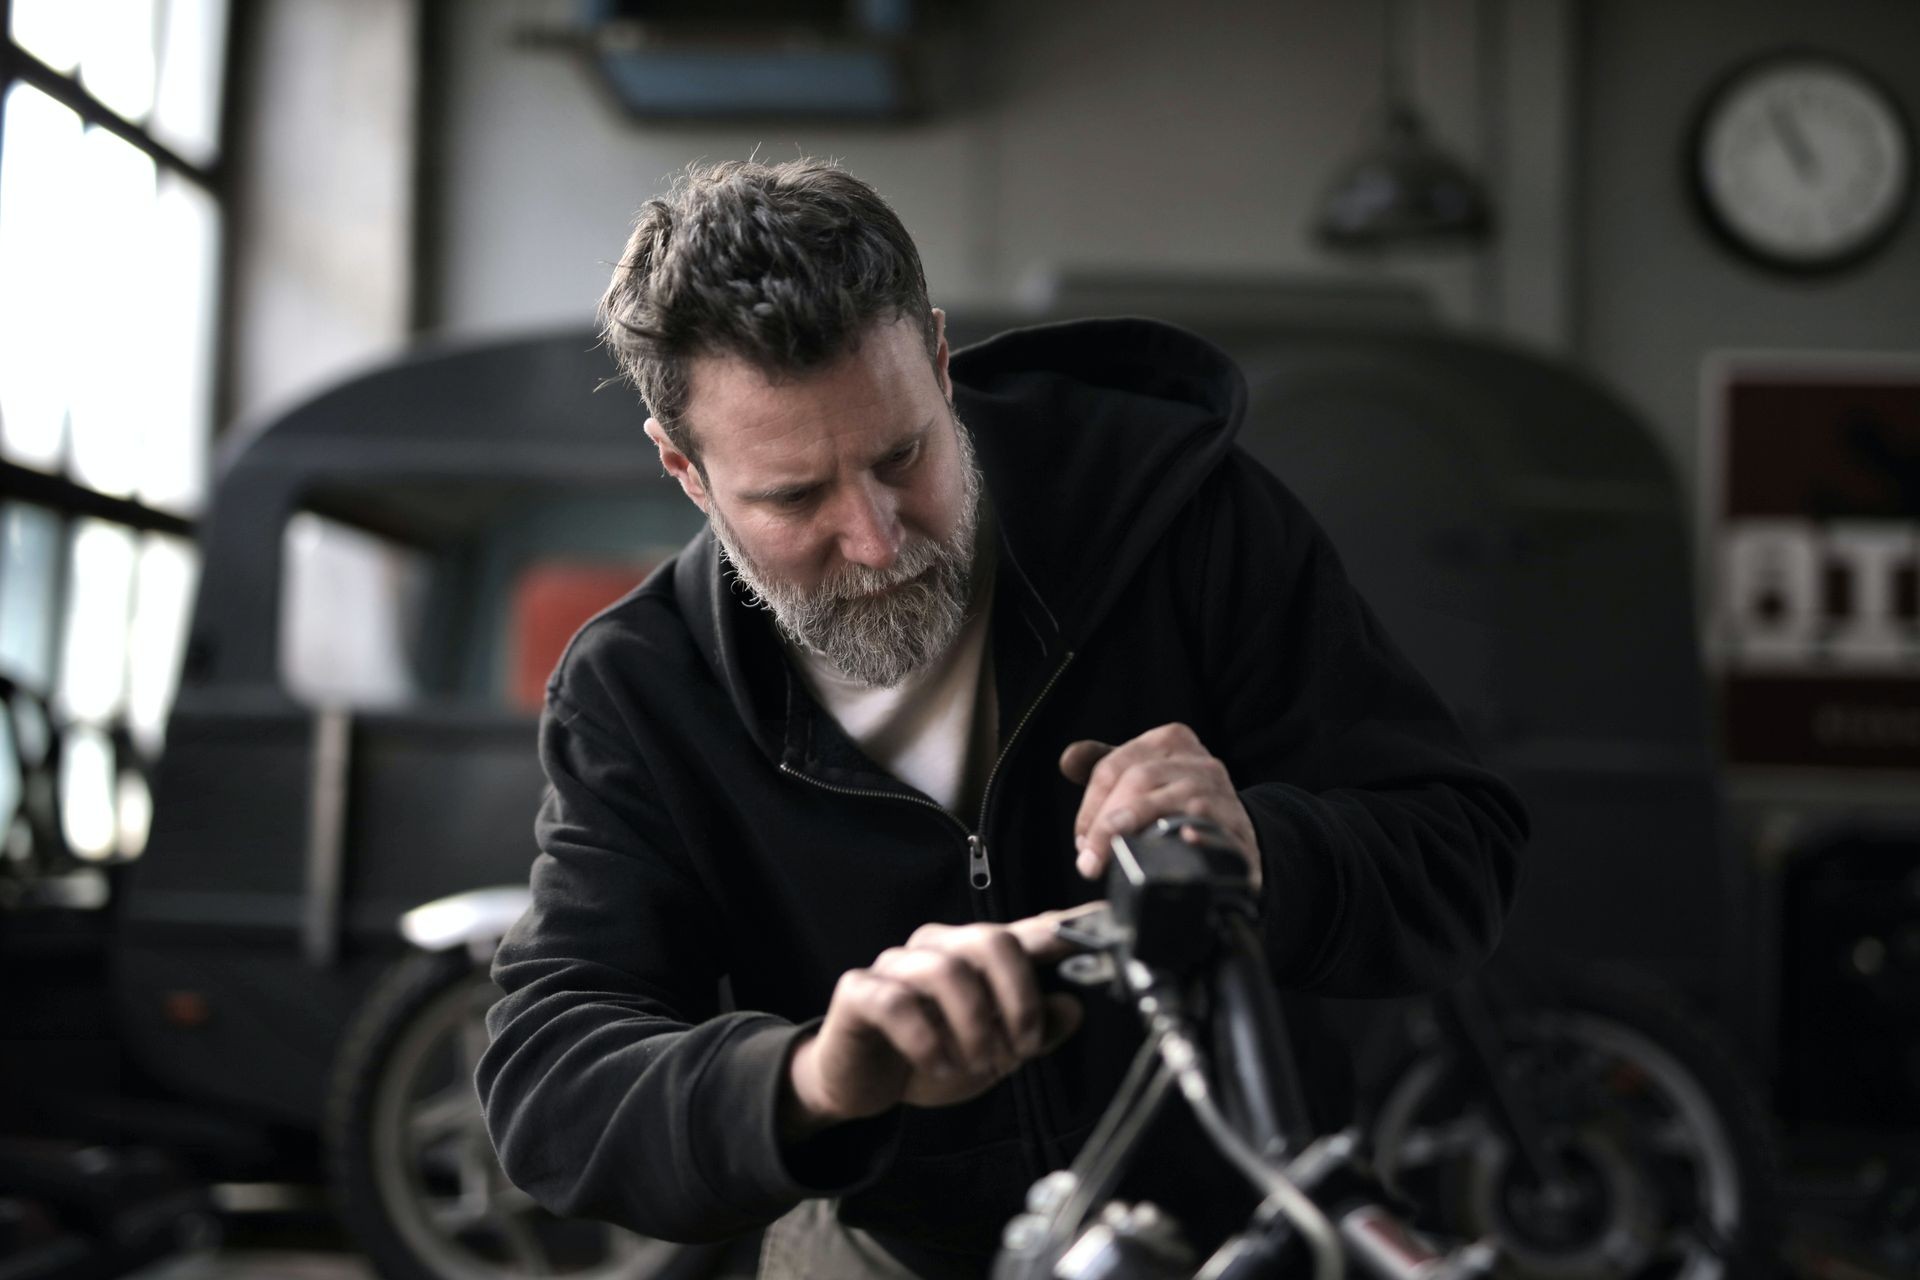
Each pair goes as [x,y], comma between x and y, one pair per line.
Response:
[1097,935]
[1091,928]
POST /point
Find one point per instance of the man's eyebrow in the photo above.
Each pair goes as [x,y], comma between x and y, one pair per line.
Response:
[800,486]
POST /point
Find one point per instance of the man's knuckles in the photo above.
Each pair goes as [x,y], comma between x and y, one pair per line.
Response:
[1173,734]
[928,935]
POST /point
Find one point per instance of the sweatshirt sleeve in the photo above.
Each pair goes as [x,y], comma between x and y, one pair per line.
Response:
[612,1085]
[1389,853]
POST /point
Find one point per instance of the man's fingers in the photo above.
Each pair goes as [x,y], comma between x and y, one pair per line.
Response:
[1114,770]
[964,999]
[905,1019]
[1077,761]
[1125,809]
[1002,960]
[1038,935]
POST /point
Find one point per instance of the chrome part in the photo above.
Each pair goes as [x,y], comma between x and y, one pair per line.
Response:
[1184,1059]
[1048,1194]
[1321,1158]
[476,919]
[1088,969]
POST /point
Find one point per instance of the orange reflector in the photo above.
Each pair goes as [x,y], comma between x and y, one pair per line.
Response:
[185,1009]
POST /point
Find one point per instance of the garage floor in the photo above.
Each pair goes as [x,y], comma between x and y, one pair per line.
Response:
[262,1264]
[1824,1242]
[308,1245]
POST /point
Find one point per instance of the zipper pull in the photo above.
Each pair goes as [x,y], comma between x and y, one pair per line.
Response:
[978,872]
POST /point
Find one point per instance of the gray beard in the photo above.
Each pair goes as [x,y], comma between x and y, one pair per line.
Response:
[877,641]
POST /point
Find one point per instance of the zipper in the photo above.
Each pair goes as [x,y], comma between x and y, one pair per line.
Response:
[986,792]
[881,795]
[979,870]
[979,867]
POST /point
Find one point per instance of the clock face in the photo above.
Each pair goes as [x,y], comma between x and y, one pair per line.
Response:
[1804,162]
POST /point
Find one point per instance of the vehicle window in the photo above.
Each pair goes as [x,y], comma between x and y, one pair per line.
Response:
[351,611]
[446,593]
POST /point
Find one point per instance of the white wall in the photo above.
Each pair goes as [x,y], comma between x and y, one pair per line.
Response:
[1131,133]
[323,194]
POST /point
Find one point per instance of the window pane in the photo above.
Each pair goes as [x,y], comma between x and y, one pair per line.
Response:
[51,30]
[163,596]
[117,259]
[29,560]
[87,792]
[133,814]
[40,247]
[32,776]
[350,612]
[169,421]
[116,56]
[193,43]
[93,659]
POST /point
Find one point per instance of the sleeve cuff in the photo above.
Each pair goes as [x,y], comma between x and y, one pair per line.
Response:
[836,1161]
[1301,903]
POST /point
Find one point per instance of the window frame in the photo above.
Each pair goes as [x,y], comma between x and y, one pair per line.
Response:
[68,500]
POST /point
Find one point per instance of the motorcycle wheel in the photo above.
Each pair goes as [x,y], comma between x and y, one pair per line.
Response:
[414,1175]
[1669,1163]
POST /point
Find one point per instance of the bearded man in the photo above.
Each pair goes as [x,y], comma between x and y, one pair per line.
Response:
[956,621]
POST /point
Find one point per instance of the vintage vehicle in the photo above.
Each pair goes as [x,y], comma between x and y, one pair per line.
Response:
[392,568]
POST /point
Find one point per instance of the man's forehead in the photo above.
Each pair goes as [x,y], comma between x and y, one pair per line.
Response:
[742,414]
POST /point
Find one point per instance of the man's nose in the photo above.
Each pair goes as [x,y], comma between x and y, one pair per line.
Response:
[870,532]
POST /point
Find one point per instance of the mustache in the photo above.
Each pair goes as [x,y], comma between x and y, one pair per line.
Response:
[850,583]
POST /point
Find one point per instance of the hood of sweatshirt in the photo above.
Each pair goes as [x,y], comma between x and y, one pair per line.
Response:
[1090,434]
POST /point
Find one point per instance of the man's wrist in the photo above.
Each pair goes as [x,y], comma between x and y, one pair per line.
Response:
[799,1118]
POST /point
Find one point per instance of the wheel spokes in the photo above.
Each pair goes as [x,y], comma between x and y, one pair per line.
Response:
[446,1182]
[523,1243]
[454,1109]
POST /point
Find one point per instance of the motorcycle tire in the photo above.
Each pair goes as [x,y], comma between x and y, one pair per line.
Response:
[413,1172]
[1668,1166]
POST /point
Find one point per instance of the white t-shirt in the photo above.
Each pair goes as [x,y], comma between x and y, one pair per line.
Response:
[937,729]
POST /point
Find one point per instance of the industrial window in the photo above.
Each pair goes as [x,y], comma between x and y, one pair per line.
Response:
[111,215]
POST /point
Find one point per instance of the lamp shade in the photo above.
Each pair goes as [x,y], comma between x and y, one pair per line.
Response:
[1403,191]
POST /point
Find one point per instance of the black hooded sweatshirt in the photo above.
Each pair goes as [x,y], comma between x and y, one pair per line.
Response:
[707,818]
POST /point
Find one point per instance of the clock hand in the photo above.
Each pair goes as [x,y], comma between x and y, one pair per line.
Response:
[1793,138]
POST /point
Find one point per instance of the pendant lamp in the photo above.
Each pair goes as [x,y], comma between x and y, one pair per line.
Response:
[1404,190]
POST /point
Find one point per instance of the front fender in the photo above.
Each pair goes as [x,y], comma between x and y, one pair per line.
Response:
[476,919]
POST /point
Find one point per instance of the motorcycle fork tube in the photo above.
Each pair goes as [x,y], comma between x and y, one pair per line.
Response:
[1464,1012]
[1251,1040]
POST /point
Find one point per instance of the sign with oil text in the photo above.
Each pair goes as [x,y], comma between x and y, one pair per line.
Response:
[1811,531]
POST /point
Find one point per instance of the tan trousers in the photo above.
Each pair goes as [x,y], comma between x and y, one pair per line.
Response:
[809,1243]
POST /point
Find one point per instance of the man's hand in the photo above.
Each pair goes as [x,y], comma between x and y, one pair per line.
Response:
[935,1022]
[1161,773]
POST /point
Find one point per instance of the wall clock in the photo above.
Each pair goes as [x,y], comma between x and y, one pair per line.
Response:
[1802,162]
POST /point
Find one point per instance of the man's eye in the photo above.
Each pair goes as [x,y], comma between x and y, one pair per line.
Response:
[792,498]
[903,454]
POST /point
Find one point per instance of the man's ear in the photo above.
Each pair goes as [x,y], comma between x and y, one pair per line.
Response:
[940,355]
[678,464]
